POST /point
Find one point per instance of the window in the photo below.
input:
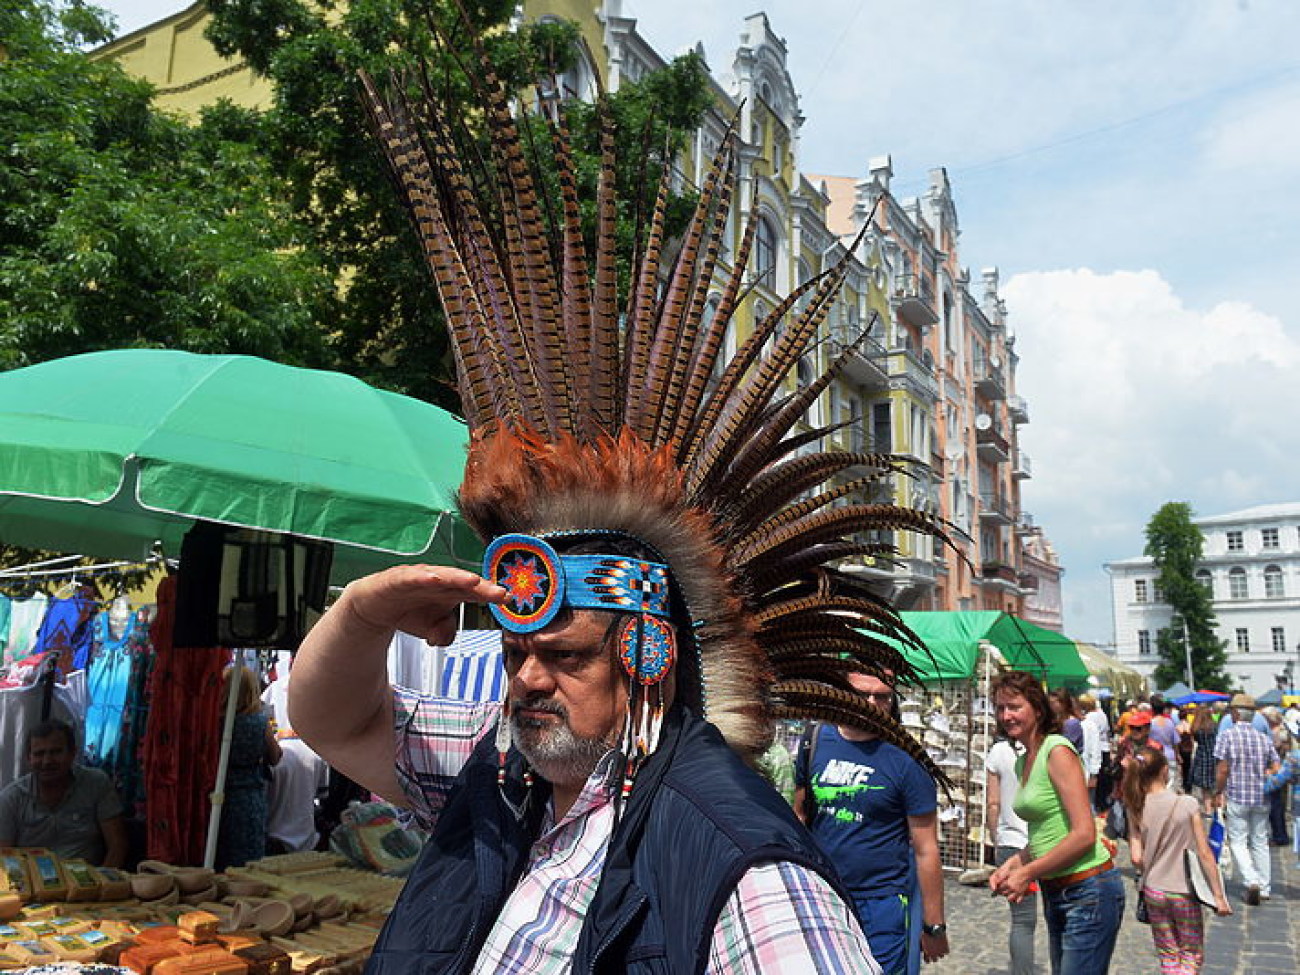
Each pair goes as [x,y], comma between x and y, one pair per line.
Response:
[1237,583]
[1234,542]
[1268,538]
[1243,640]
[1144,643]
[1157,594]
[1139,590]
[765,252]
[1273,588]
[1279,639]
[1206,580]
[882,428]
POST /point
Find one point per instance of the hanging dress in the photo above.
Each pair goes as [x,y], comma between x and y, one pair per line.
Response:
[109,676]
[128,772]
[242,836]
[182,740]
[66,632]
[25,617]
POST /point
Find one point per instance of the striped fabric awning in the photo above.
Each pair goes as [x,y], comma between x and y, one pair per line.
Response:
[472,669]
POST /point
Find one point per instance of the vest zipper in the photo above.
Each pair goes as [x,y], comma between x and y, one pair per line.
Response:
[618,929]
[462,958]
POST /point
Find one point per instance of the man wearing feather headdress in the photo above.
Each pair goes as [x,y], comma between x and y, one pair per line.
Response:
[661,554]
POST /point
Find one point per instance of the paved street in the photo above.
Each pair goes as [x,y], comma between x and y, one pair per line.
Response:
[1262,940]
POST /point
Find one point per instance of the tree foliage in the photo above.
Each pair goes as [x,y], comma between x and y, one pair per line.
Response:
[273,233]
[1176,544]
[387,327]
[124,227]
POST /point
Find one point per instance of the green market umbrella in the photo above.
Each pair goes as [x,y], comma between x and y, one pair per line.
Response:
[953,641]
[104,453]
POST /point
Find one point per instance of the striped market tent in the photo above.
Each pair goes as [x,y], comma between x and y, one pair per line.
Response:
[472,668]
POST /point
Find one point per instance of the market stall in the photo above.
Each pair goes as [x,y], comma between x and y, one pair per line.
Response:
[952,714]
[299,913]
[269,481]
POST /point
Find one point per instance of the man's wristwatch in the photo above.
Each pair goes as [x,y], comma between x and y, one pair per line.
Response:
[935,930]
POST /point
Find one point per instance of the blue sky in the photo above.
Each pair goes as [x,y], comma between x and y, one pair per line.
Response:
[1131,167]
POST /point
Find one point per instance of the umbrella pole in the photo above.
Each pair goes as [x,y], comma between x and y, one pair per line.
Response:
[223,764]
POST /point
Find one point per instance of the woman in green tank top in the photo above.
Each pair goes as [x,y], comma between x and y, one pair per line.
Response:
[1083,896]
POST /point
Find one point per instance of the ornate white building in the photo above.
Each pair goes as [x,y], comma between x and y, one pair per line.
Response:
[1251,566]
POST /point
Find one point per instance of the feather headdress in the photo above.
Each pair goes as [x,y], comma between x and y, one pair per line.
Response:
[594,411]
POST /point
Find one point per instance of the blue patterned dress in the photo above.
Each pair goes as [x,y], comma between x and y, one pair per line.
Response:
[243,817]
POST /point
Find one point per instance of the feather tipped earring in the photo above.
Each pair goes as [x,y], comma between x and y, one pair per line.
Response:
[647,647]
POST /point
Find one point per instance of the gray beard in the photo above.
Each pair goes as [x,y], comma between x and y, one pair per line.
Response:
[554,751]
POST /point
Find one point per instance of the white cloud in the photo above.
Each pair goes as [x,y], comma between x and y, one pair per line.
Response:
[1137,399]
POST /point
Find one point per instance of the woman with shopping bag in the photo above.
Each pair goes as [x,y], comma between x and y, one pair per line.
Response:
[1164,828]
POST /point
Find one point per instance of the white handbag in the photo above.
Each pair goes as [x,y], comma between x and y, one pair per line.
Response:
[1197,881]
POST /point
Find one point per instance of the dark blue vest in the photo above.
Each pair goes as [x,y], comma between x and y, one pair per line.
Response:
[697,819]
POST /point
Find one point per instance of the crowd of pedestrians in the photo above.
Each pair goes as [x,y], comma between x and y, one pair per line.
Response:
[1161,780]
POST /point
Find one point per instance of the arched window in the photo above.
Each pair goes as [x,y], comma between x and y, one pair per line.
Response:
[765,252]
[1273,587]
[1237,583]
[1206,580]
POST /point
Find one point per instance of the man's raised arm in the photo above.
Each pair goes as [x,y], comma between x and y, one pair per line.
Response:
[340,701]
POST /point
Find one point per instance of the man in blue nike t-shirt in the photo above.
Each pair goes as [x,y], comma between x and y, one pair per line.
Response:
[872,809]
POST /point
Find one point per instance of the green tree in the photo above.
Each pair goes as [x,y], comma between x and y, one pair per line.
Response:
[387,327]
[1175,543]
[124,227]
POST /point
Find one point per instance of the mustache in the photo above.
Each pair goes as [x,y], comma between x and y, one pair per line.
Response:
[539,704]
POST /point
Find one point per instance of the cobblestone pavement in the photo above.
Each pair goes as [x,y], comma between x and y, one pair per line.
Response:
[1262,940]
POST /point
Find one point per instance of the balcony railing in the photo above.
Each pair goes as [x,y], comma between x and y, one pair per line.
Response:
[1021,466]
[990,441]
[997,507]
[1018,408]
[999,572]
[866,366]
[907,365]
[989,377]
[915,298]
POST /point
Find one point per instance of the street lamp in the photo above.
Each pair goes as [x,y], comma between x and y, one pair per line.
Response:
[1187,650]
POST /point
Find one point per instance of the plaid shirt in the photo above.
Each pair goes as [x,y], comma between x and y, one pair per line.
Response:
[782,919]
[1248,754]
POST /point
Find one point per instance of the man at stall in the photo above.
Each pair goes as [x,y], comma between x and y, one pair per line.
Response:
[61,805]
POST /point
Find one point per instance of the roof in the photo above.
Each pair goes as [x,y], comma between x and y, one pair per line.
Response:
[1263,512]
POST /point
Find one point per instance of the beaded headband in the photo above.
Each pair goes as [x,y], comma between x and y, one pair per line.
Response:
[540,582]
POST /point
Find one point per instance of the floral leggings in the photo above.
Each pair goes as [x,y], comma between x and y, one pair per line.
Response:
[1178,930]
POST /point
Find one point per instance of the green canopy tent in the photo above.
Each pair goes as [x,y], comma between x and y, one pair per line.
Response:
[1120,679]
[105,453]
[954,640]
